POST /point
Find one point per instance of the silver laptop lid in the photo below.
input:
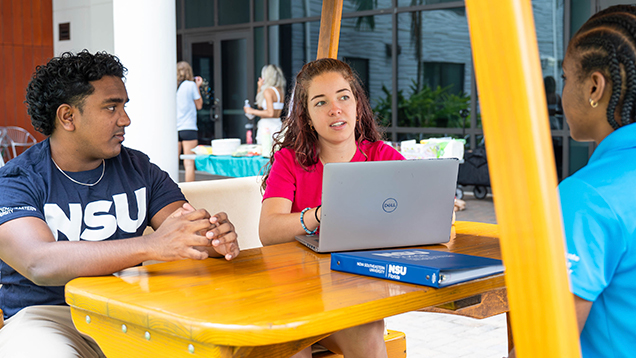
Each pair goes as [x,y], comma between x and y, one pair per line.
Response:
[382,204]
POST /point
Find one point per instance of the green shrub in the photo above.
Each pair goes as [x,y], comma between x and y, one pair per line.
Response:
[424,108]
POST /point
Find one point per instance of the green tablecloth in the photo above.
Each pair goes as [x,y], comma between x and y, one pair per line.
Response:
[227,165]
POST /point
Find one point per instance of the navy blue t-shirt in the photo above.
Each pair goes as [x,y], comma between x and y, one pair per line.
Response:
[120,206]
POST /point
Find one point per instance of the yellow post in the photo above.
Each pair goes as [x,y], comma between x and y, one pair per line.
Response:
[329,28]
[523,177]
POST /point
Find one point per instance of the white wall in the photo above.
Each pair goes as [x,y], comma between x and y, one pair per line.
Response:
[91,25]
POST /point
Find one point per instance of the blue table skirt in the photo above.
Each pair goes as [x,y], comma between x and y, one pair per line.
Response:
[229,166]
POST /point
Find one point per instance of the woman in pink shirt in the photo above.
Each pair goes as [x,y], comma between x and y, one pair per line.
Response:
[330,121]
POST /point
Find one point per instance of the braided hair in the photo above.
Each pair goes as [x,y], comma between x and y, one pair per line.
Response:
[607,43]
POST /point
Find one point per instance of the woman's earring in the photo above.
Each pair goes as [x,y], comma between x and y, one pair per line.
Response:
[593,103]
[311,126]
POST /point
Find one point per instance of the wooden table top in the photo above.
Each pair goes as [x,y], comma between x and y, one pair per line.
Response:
[266,296]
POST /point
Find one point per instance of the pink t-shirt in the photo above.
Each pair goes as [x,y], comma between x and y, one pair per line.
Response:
[287,179]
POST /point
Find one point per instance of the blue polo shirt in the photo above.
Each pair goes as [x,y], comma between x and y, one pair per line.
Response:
[120,206]
[599,216]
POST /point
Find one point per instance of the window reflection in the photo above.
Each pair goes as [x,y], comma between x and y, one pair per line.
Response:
[423,2]
[360,67]
[178,13]
[366,48]
[288,9]
[363,5]
[434,69]
[259,51]
[548,17]
[293,45]
[199,13]
[259,10]
[234,12]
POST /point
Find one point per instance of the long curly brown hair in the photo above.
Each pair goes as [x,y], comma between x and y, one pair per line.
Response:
[296,132]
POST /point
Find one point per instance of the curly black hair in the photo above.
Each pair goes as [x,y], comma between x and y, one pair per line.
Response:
[66,80]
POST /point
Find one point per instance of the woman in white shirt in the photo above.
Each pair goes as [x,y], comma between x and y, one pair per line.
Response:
[188,102]
[270,97]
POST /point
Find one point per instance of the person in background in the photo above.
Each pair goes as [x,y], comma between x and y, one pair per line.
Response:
[77,204]
[597,202]
[270,97]
[188,102]
[330,121]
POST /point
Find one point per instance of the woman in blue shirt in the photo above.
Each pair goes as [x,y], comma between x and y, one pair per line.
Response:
[188,102]
[599,201]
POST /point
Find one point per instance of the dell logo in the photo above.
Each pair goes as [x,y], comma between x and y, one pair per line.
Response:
[389,205]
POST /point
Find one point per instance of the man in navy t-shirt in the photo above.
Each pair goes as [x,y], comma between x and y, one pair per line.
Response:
[77,204]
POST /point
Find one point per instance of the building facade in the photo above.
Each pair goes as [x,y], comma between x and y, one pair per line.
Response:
[413,56]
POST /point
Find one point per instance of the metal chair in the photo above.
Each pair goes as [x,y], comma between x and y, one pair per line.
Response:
[18,137]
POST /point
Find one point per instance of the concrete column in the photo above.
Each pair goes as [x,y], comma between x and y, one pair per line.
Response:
[145,42]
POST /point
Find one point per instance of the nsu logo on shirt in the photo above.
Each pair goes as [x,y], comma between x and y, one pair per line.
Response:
[100,225]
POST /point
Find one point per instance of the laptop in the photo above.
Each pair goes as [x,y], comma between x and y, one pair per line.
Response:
[373,205]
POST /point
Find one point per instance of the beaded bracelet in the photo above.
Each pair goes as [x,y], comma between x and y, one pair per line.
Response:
[316,213]
[302,223]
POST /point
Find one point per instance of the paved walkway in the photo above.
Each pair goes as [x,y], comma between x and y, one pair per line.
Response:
[436,335]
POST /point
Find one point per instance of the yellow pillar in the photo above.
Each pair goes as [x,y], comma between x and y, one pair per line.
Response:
[523,177]
[329,28]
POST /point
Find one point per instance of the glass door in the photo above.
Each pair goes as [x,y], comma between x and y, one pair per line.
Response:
[234,84]
[203,65]
[225,61]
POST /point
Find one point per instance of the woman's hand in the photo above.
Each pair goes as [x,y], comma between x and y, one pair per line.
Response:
[198,80]
[278,224]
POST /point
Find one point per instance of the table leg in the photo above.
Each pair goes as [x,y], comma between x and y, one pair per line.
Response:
[275,350]
[511,343]
[480,306]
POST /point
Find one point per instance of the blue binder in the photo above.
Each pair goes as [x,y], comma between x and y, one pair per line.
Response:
[423,267]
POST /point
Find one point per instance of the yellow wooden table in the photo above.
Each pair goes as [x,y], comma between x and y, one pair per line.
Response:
[269,302]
